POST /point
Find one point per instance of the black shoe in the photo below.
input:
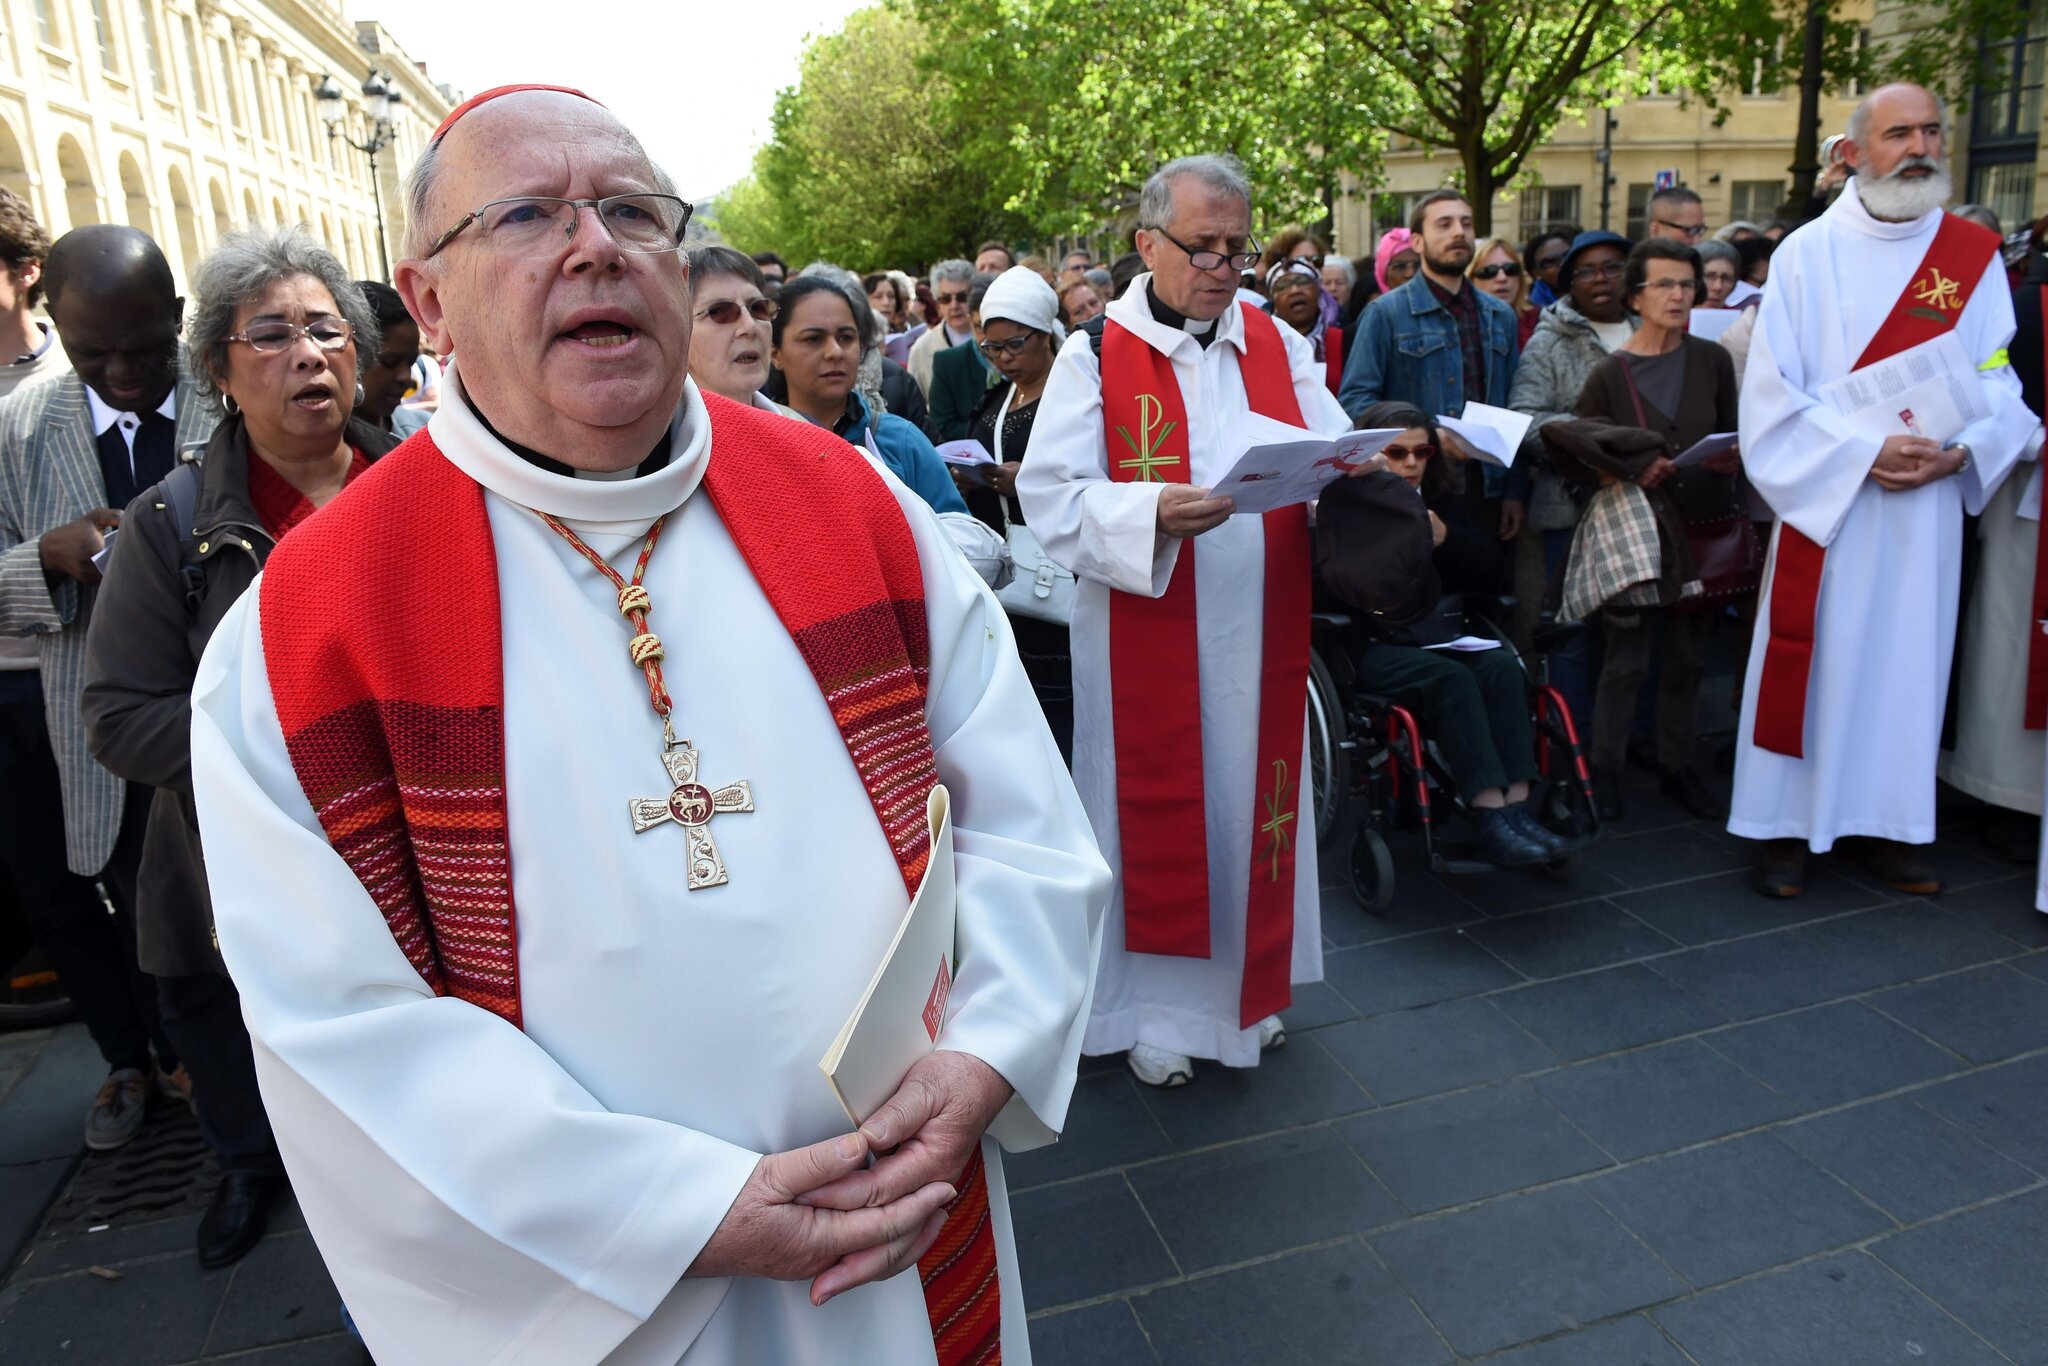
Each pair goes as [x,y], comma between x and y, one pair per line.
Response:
[1502,841]
[1902,867]
[1530,824]
[1781,869]
[1683,786]
[234,1222]
[1606,796]
[1643,754]
[2012,835]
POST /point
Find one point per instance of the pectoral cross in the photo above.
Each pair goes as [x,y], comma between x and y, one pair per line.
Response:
[692,805]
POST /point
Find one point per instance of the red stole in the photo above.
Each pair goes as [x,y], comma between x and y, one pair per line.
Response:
[1155,681]
[1932,302]
[1333,358]
[398,738]
[2037,633]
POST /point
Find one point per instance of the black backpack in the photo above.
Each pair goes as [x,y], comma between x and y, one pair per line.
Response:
[179,494]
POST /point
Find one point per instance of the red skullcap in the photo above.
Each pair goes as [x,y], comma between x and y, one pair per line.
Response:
[474,100]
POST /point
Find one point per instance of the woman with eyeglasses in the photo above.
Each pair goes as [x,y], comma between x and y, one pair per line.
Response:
[729,332]
[1473,704]
[1541,259]
[279,332]
[816,345]
[1682,388]
[1497,270]
[1020,334]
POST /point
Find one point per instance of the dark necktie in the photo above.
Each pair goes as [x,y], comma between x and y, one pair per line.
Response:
[156,451]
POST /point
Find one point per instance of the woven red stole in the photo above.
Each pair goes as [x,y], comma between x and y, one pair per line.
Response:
[2037,625]
[1155,683]
[1333,358]
[1932,302]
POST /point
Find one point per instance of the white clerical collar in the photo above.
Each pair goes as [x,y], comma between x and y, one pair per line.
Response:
[1848,206]
[474,450]
[104,417]
[1133,310]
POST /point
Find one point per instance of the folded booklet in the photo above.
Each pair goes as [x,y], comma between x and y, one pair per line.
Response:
[897,1019]
[1283,464]
[1494,434]
[968,456]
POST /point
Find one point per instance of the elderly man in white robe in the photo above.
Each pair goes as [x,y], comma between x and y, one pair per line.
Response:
[1190,637]
[1842,705]
[546,1079]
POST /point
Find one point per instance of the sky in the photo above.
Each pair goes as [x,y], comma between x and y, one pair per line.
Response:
[696,79]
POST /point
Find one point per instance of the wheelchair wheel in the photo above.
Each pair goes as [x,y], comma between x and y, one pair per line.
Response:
[1372,870]
[1328,759]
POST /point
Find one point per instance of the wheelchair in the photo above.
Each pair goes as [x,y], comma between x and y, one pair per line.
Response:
[1374,773]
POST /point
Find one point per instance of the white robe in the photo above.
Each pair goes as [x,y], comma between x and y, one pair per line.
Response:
[1996,758]
[1884,630]
[486,1194]
[1106,533]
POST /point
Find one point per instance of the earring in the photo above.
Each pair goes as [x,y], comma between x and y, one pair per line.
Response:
[227,401]
[361,394]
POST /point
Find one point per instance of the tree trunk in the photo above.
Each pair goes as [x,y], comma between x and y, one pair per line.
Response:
[1805,166]
[1479,181]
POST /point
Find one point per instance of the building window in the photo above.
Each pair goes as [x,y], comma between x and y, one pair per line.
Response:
[1857,88]
[1755,201]
[1763,72]
[2006,189]
[256,98]
[1638,211]
[285,113]
[2005,119]
[192,64]
[151,56]
[46,24]
[226,67]
[1546,206]
[103,35]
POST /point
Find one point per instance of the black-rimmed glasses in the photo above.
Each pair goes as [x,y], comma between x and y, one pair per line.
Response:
[996,350]
[643,224]
[1212,260]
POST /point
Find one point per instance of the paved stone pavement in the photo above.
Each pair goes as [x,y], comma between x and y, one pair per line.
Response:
[1638,1117]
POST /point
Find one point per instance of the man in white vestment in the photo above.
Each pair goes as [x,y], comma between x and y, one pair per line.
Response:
[1189,752]
[1842,703]
[595,1129]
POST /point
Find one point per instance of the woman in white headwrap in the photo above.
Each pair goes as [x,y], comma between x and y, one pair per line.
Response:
[1020,334]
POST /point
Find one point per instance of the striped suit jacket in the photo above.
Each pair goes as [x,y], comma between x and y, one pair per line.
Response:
[50,475]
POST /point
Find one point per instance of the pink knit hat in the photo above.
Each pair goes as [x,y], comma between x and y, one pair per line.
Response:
[1392,243]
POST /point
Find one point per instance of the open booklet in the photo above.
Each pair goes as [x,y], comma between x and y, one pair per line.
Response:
[1283,464]
[1931,390]
[1494,434]
[968,456]
[897,1019]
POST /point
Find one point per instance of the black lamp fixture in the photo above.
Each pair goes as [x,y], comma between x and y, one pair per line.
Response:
[381,98]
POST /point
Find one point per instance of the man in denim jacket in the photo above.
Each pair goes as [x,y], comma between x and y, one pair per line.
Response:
[1437,342]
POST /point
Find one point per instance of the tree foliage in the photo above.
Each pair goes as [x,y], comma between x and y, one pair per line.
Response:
[862,166]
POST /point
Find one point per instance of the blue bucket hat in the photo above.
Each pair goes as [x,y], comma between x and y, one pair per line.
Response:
[1580,243]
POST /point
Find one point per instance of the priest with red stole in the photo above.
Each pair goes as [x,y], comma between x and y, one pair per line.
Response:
[1842,706]
[564,784]
[1190,636]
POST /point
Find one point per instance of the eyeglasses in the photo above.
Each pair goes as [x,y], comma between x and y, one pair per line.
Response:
[959,298]
[726,312]
[643,224]
[996,350]
[1422,452]
[1511,269]
[1611,271]
[1551,262]
[1212,260]
[329,334]
[1692,234]
[1680,286]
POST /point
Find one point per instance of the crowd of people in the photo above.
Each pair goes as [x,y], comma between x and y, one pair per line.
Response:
[200,741]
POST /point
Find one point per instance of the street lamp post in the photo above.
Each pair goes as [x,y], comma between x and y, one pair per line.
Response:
[381,99]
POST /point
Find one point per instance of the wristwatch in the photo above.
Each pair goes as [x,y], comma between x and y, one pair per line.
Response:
[1965,449]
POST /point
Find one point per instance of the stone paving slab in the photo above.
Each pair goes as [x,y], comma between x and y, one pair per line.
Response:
[1634,1116]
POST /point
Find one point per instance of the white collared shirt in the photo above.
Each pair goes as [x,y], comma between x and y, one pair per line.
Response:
[104,417]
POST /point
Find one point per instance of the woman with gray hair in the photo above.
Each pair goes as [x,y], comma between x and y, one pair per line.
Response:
[278,332]
[1721,265]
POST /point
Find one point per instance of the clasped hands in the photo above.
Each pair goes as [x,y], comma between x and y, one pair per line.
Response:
[822,1214]
[1909,462]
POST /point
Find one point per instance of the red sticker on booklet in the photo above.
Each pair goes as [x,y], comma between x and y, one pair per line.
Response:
[935,1004]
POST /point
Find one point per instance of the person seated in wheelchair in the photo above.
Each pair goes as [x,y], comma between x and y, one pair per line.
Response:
[1473,703]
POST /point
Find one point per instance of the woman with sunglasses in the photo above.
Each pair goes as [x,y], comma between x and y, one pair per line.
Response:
[1474,704]
[1497,270]
[279,332]
[729,331]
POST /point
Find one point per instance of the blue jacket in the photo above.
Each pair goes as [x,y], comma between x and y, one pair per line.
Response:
[1407,349]
[907,452]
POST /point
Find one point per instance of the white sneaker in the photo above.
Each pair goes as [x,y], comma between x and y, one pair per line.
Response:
[1272,1033]
[1157,1067]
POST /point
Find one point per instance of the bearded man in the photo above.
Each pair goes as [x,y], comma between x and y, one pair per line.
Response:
[1842,706]
[546,1077]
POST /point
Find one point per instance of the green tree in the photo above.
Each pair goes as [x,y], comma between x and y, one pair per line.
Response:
[862,165]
